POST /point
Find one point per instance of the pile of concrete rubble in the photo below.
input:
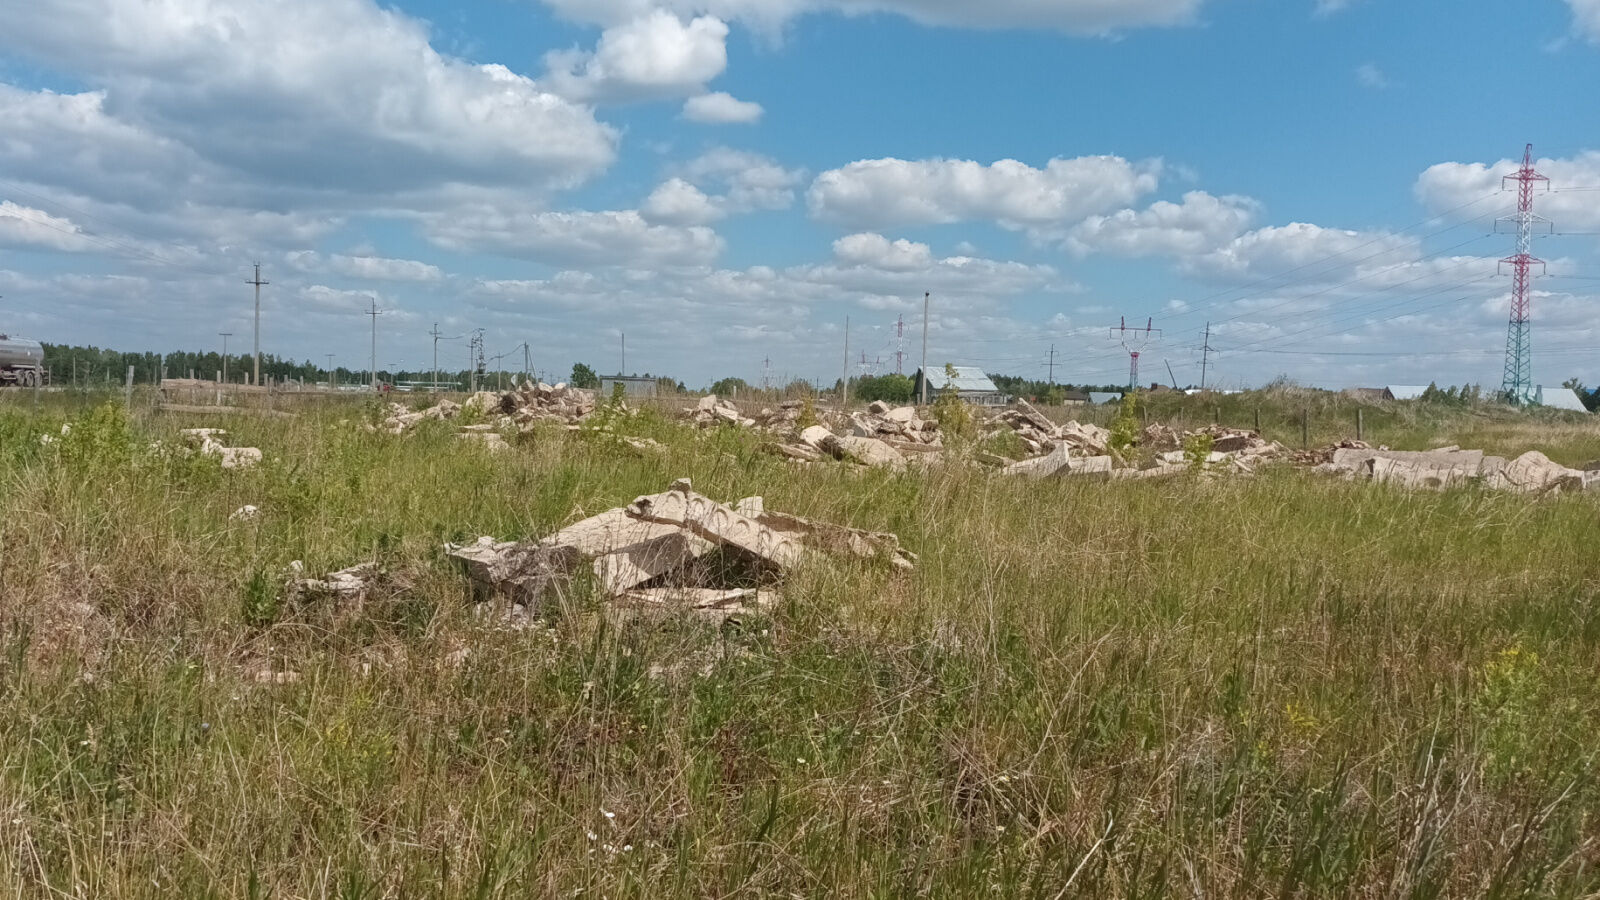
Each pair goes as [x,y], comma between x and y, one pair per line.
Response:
[539,402]
[673,550]
[712,411]
[206,440]
[1530,473]
[519,408]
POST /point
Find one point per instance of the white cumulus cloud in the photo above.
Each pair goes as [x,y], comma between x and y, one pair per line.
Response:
[677,202]
[1199,224]
[721,108]
[309,96]
[28,227]
[1094,17]
[888,192]
[876,251]
[653,56]
[1474,190]
[580,238]
[372,268]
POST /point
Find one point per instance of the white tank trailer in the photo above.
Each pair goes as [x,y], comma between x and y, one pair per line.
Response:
[21,362]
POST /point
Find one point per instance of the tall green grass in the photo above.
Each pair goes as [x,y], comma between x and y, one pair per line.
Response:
[1267,687]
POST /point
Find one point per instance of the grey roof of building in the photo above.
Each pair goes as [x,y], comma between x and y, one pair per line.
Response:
[968,378]
[1560,398]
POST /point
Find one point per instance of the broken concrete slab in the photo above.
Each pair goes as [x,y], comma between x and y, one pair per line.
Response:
[523,573]
[816,437]
[827,536]
[1533,473]
[638,563]
[1042,466]
[345,584]
[867,451]
[682,507]
[1419,473]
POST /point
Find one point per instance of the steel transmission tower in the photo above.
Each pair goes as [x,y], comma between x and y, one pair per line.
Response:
[1518,380]
[1134,340]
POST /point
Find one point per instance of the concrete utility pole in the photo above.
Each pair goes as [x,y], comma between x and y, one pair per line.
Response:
[1052,365]
[225,336]
[374,312]
[258,283]
[925,296]
[1205,357]
[333,384]
[844,391]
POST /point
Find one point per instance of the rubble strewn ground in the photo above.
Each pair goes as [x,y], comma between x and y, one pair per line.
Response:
[886,436]
[676,548]
[206,440]
[1530,473]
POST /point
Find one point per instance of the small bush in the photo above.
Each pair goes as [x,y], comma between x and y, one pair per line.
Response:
[1197,450]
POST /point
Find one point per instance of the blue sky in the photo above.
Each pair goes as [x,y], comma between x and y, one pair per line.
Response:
[725,181]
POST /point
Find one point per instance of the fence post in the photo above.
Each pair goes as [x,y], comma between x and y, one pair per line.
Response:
[1360,423]
[128,390]
[1258,420]
[1305,429]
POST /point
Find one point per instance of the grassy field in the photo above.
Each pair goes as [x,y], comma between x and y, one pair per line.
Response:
[1277,686]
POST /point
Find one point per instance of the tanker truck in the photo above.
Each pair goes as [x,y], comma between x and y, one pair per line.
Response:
[21,362]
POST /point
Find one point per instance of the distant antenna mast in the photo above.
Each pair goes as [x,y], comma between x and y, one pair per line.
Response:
[1518,380]
[1134,340]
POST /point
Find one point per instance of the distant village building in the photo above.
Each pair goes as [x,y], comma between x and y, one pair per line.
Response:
[632,385]
[970,384]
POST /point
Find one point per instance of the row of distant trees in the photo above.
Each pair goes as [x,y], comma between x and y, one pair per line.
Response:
[89,366]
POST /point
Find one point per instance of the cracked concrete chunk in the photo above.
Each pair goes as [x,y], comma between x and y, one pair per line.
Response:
[713,521]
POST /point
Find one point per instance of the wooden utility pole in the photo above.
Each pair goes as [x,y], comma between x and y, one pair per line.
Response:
[258,283]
